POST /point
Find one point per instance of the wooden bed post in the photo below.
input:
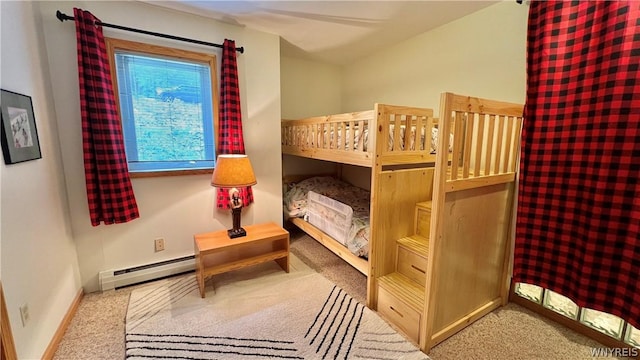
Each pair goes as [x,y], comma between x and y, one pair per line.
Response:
[374,248]
[437,218]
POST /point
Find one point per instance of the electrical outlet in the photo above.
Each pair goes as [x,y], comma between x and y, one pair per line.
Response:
[24,314]
[159,244]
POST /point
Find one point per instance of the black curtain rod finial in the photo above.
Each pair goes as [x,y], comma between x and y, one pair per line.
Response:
[62,17]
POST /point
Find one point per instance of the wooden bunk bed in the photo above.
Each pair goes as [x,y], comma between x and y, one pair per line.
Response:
[366,139]
[439,245]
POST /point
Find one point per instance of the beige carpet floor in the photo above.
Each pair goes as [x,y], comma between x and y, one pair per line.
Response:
[512,332]
[266,314]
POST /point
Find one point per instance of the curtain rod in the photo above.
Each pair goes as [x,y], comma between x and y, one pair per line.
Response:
[62,17]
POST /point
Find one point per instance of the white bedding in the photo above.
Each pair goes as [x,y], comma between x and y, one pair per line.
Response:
[306,199]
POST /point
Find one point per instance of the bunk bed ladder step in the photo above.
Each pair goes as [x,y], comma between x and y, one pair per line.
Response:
[412,258]
[422,221]
[401,301]
[415,243]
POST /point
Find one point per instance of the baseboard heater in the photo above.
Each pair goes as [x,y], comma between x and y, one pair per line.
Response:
[114,279]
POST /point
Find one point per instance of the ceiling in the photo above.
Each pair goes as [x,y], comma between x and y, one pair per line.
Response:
[337,32]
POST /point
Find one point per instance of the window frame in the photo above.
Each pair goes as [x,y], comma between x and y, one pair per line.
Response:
[113,45]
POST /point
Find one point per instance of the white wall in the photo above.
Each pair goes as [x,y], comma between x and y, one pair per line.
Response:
[39,262]
[482,54]
[178,207]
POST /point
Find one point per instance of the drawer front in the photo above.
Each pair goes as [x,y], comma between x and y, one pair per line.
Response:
[399,313]
[412,265]
[423,222]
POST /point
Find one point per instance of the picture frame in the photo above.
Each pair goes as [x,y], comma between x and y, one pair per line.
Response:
[19,133]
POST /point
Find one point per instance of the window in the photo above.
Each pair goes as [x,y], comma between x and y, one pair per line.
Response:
[168,105]
[605,323]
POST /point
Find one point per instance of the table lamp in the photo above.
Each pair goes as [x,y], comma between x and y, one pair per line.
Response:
[232,172]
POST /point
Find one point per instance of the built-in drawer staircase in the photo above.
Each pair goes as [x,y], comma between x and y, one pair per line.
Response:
[401,294]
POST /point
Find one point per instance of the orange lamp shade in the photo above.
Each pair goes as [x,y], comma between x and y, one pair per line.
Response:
[233,170]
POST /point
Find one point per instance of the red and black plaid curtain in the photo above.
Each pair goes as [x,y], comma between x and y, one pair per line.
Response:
[230,140]
[109,191]
[578,225]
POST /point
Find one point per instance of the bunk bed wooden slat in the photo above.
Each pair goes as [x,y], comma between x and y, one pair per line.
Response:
[488,151]
[395,120]
[468,137]
[458,137]
[423,129]
[496,166]
[479,145]
[508,144]
[362,137]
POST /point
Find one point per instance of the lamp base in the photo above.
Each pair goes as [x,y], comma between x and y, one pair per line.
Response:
[236,233]
[237,230]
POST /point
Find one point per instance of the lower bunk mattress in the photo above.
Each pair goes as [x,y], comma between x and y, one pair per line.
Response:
[337,208]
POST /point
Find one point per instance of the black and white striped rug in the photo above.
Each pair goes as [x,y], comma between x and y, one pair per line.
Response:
[260,314]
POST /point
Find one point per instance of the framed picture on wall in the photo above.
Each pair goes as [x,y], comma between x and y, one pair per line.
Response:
[19,134]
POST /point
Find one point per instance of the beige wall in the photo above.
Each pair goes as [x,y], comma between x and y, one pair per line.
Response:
[39,261]
[482,54]
[308,89]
